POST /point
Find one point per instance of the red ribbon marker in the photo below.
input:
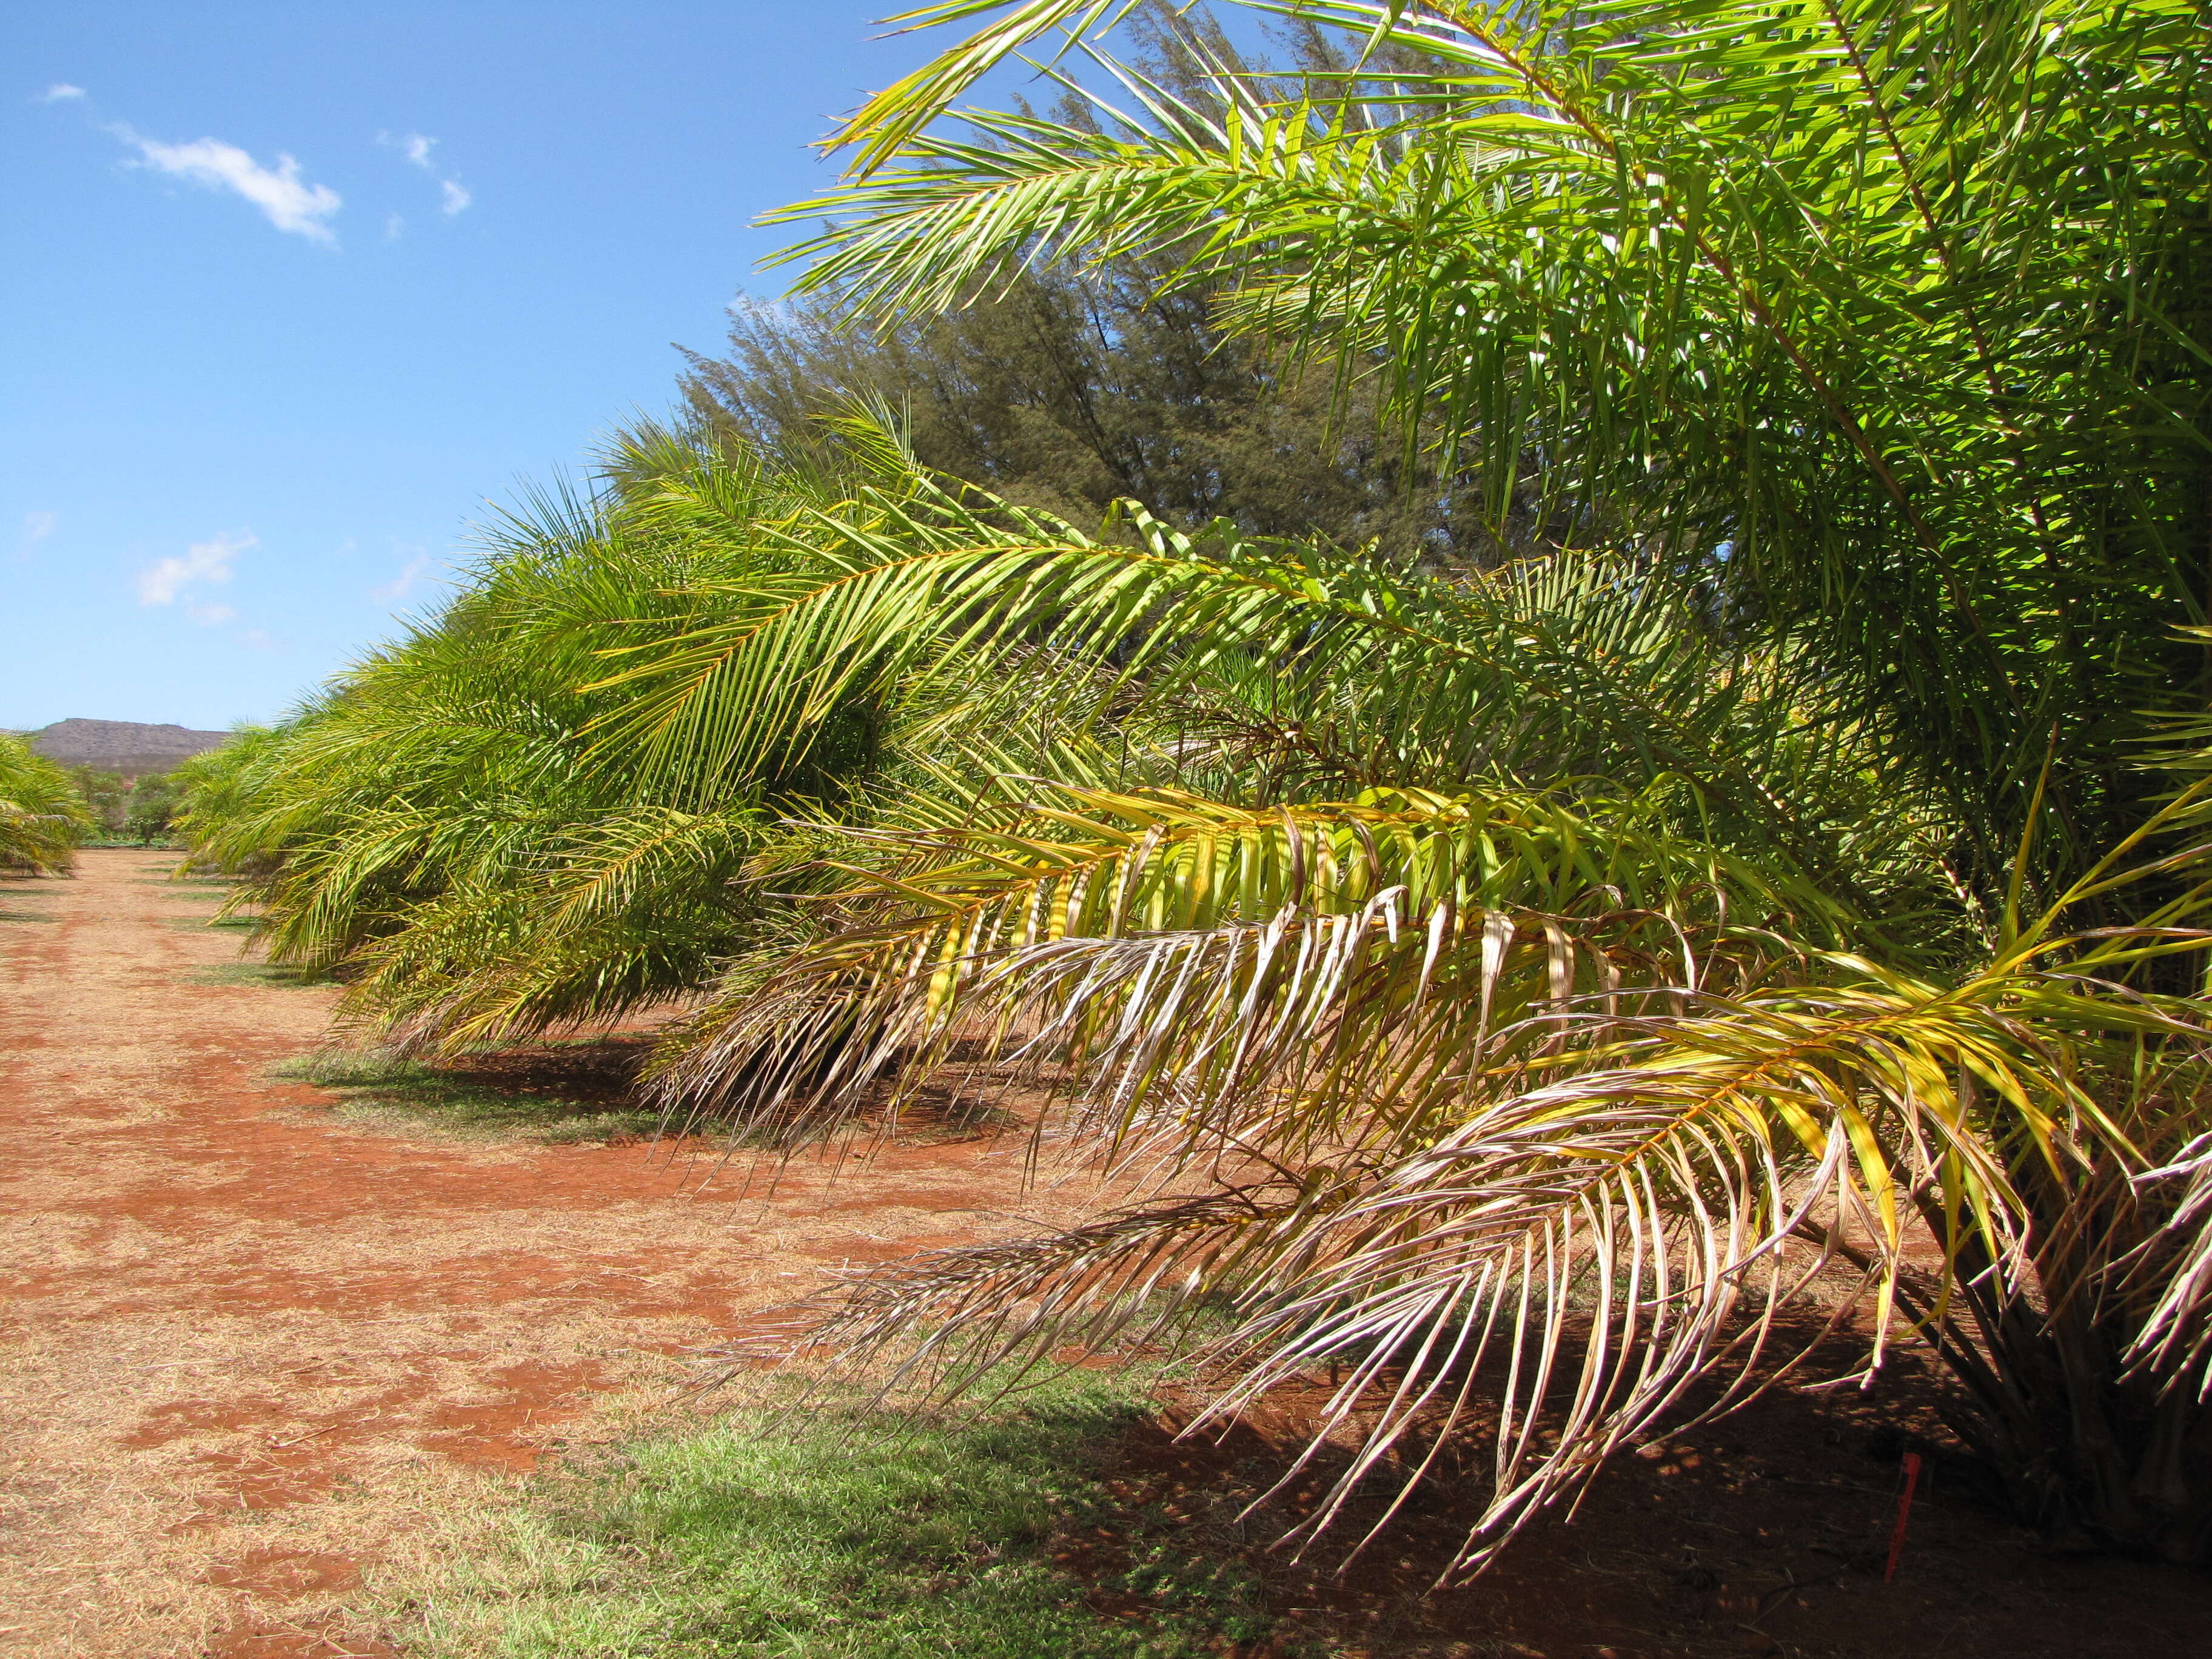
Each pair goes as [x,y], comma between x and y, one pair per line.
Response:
[1904,1509]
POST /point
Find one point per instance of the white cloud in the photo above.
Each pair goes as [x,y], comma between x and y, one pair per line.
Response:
[37,526]
[257,639]
[412,145]
[288,203]
[403,583]
[394,227]
[60,93]
[454,196]
[208,615]
[203,561]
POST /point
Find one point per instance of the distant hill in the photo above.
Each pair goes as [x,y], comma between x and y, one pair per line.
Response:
[124,747]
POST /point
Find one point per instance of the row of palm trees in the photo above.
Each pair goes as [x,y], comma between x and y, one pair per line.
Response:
[1525,989]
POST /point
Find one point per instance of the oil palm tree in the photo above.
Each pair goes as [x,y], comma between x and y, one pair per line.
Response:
[1525,989]
[42,813]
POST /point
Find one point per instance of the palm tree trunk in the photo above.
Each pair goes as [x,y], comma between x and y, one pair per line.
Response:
[2085,1454]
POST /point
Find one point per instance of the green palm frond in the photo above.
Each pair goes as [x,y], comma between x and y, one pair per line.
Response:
[598,919]
[887,120]
[1200,957]
[42,813]
[1591,666]
[450,824]
[1827,288]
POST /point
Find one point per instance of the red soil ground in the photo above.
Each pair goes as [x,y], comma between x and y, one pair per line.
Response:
[249,1353]
[245,1348]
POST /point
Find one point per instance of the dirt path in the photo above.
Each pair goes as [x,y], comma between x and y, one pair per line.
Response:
[244,1347]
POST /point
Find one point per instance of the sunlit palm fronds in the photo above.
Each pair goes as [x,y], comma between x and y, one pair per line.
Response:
[603,918]
[1427,1093]
[1197,954]
[1582,1258]
[1587,666]
[42,813]
[1883,309]
[453,825]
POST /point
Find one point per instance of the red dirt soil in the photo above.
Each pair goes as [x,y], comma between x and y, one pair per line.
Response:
[250,1354]
[245,1348]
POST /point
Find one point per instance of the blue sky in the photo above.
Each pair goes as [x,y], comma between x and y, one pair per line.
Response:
[291,289]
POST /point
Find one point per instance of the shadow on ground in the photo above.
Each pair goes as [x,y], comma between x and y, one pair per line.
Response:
[553,1092]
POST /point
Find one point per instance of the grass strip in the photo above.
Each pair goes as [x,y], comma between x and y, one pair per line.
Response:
[382,1088]
[279,974]
[835,1537]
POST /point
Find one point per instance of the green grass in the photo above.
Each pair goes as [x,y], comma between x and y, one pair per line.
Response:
[272,974]
[206,889]
[376,1088]
[813,1538]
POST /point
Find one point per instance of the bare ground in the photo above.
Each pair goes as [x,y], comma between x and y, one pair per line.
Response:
[248,1351]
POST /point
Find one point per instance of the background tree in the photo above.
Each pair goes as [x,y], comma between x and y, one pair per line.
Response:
[1071,388]
[1072,391]
[105,794]
[153,803]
